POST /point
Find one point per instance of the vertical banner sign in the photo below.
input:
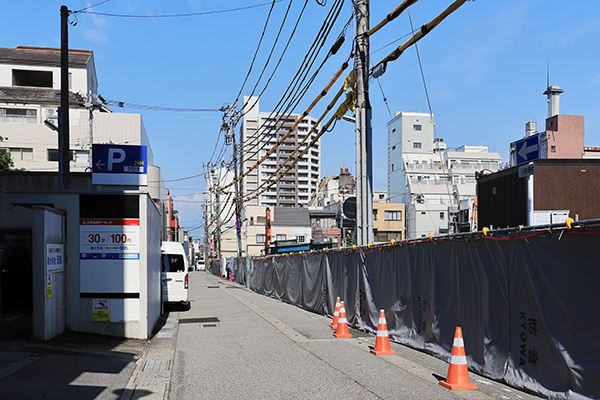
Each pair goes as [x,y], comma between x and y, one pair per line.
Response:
[54,257]
[101,310]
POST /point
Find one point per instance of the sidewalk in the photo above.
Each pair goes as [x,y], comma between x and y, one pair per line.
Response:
[86,366]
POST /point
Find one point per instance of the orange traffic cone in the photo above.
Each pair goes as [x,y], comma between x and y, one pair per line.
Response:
[342,326]
[382,343]
[231,277]
[458,374]
[336,314]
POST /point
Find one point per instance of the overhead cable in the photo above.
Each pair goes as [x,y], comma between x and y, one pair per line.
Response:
[391,16]
[425,29]
[319,97]
[293,94]
[83,11]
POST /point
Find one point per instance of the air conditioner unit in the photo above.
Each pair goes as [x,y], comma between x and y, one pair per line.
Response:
[50,113]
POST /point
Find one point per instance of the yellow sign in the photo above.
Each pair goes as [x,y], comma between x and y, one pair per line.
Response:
[101,310]
[49,287]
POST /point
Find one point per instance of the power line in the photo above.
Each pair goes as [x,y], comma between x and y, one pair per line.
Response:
[122,104]
[174,15]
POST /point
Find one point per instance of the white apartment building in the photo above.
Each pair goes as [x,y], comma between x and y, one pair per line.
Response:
[432,181]
[30,93]
[260,131]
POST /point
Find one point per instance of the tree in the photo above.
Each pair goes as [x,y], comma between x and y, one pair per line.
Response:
[6,161]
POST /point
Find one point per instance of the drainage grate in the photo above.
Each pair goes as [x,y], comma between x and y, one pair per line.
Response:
[198,320]
[213,287]
[209,325]
[157,365]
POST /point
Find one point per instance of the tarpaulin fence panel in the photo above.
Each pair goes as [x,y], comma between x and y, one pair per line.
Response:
[527,306]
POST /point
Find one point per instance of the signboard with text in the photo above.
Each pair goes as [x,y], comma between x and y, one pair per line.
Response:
[109,255]
[119,165]
[54,257]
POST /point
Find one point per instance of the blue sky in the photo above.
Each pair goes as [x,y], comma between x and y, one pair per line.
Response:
[484,69]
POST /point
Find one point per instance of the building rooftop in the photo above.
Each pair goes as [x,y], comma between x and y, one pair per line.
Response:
[29,95]
[43,56]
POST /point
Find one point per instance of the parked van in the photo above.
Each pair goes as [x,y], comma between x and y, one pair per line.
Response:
[174,267]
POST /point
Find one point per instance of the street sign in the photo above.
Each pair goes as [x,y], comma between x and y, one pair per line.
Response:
[119,165]
[528,149]
[526,170]
[238,223]
[349,207]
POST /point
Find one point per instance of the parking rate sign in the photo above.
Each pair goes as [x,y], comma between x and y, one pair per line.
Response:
[119,165]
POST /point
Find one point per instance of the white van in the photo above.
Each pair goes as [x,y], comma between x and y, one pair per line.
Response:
[174,267]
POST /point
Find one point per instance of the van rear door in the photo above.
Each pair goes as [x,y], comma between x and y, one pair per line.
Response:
[174,278]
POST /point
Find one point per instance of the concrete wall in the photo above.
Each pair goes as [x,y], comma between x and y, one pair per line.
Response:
[133,317]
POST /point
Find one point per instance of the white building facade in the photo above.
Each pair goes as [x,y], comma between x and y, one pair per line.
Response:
[433,182]
[30,94]
[260,131]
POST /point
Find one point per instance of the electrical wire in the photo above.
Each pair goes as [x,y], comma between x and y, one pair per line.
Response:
[122,104]
[176,15]
[295,91]
[258,48]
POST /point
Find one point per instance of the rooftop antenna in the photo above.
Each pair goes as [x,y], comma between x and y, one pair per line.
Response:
[548,75]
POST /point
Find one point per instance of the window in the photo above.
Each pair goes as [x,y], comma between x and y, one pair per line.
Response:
[53,155]
[251,220]
[172,263]
[393,215]
[260,238]
[417,127]
[392,167]
[19,154]
[32,78]
[553,149]
[280,237]
[423,213]
[18,115]
[375,215]
[300,239]
[442,215]
[381,196]
[416,145]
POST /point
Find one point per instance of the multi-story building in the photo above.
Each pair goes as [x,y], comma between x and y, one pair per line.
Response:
[30,94]
[333,189]
[431,181]
[388,218]
[564,134]
[260,132]
[30,85]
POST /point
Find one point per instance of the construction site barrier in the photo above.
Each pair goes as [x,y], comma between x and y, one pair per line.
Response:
[526,299]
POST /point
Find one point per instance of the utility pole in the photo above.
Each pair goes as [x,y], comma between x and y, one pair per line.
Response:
[228,126]
[364,150]
[64,151]
[217,195]
[238,205]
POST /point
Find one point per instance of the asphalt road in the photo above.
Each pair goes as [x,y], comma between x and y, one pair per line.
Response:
[236,344]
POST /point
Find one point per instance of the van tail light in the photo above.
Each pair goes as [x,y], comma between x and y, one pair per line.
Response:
[185,282]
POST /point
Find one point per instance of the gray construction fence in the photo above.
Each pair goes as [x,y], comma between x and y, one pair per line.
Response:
[527,300]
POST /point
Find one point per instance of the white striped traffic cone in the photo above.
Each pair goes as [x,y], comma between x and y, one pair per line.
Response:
[458,374]
[382,343]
